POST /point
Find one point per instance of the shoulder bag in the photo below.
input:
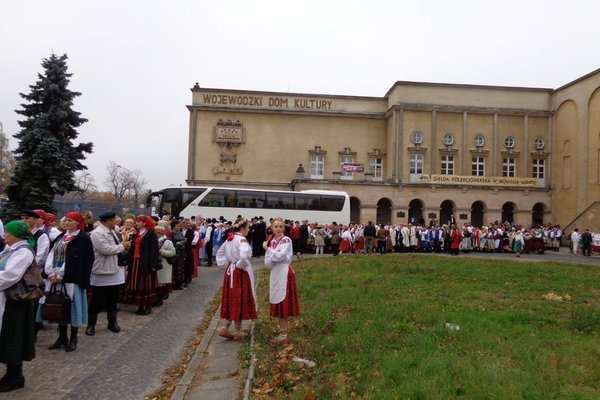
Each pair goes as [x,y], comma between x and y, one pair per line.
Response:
[57,306]
[30,286]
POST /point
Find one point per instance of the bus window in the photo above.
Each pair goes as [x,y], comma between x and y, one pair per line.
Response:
[172,202]
[190,195]
[219,198]
[332,203]
[250,199]
[307,202]
[283,201]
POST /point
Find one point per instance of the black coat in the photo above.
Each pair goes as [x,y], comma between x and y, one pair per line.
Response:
[79,258]
[149,255]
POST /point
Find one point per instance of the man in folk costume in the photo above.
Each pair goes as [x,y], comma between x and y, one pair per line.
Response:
[238,299]
[413,238]
[108,273]
[405,232]
[283,292]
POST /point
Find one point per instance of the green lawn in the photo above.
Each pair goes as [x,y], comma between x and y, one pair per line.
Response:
[375,326]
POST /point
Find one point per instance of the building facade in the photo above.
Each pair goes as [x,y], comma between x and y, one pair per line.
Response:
[423,151]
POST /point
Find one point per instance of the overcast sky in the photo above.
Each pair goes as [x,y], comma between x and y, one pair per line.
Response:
[135,61]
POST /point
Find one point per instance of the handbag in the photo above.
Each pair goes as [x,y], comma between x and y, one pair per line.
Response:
[30,286]
[57,306]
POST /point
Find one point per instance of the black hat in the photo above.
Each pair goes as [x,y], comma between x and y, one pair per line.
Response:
[29,213]
[107,215]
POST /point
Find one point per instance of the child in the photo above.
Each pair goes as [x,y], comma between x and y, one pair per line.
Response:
[283,293]
[238,297]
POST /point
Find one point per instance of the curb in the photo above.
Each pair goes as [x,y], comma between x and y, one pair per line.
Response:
[250,378]
[190,372]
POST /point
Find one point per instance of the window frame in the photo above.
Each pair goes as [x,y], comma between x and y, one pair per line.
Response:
[315,162]
[477,165]
[346,175]
[539,168]
[447,164]
[376,168]
[509,167]
[413,163]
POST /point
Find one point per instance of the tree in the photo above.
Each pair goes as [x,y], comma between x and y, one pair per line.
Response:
[118,181]
[85,183]
[46,157]
[137,186]
[7,161]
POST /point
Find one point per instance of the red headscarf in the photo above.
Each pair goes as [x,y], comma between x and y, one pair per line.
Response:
[50,218]
[75,216]
[149,222]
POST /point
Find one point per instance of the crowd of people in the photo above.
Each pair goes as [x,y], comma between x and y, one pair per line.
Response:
[140,260]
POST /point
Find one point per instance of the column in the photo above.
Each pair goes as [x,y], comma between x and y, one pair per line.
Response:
[433,152]
[525,169]
[495,147]
[465,158]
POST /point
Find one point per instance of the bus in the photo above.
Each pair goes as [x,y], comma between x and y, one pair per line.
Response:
[320,206]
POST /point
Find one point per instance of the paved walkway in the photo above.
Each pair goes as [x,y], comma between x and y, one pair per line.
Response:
[127,365]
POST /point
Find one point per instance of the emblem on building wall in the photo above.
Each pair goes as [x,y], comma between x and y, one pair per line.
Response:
[228,134]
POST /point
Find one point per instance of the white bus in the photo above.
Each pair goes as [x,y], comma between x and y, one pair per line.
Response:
[320,206]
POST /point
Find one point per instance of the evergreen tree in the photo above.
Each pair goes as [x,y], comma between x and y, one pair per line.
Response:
[47,158]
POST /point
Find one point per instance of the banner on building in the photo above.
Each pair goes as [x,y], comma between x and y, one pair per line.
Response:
[474,180]
[353,167]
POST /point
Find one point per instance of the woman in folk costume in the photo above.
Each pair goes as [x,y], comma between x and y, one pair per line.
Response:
[283,292]
[346,244]
[141,282]
[16,319]
[238,297]
[518,242]
[70,263]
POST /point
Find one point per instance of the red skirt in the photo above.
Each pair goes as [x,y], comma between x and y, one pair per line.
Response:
[195,256]
[345,246]
[290,306]
[140,289]
[359,245]
[237,302]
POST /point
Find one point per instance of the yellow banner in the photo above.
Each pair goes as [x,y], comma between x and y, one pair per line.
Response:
[475,180]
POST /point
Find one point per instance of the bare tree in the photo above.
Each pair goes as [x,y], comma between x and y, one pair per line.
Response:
[86,185]
[7,160]
[118,181]
[137,185]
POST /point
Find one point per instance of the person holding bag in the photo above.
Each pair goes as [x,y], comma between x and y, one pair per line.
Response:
[164,275]
[16,318]
[69,264]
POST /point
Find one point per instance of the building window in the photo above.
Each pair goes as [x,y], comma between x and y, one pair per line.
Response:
[448,139]
[478,166]
[416,138]
[539,166]
[345,159]
[510,142]
[416,163]
[376,167]
[447,165]
[317,167]
[509,166]
[539,143]
[479,141]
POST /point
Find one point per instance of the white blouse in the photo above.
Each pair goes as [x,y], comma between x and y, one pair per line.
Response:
[14,270]
[236,253]
[278,257]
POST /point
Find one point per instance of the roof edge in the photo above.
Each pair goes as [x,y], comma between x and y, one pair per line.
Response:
[468,86]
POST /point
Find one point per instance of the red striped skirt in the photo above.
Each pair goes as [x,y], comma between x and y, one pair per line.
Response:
[140,289]
[237,302]
[345,246]
[290,306]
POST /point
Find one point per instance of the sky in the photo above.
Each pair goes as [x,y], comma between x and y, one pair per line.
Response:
[135,61]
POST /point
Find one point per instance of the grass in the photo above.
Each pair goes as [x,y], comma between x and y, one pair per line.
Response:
[375,326]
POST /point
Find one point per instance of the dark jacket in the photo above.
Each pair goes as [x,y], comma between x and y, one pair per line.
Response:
[370,230]
[79,258]
[149,255]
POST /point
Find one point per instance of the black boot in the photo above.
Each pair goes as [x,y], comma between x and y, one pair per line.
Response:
[91,326]
[147,310]
[14,378]
[62,340]
[73,340]
[140,310]
[112,322]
